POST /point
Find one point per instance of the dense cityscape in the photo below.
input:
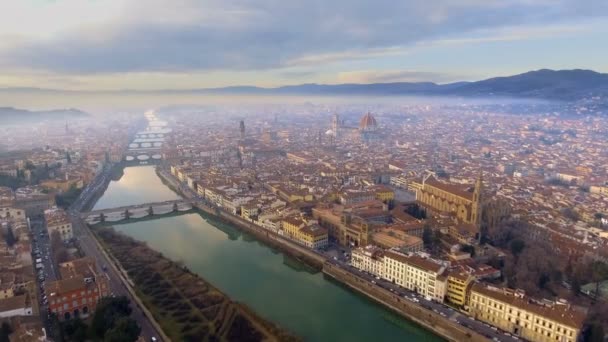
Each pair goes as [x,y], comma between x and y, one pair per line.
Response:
[472,220]
[342,171]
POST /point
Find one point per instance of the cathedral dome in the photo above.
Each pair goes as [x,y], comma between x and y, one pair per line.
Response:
[368,122]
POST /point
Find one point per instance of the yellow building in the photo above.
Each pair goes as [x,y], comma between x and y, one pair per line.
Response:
[342,226]
[6,291]
[525,317]
[62,184]
[383,193]
[312,236]
[448,198]
[458,283]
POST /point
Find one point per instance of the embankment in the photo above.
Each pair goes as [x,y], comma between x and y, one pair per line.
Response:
[428,319]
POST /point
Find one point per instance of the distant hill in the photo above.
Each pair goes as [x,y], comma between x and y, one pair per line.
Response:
[568,85]
[10,115]
[541,84]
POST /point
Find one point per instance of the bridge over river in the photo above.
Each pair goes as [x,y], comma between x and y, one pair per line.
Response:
[136,211]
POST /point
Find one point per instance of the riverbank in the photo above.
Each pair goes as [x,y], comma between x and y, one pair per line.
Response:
[430,320]
[426,318]
[187,307]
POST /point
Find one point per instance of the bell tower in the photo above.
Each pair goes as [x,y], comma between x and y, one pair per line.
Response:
[477,198]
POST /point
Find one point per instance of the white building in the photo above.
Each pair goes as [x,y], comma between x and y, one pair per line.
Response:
[413,272]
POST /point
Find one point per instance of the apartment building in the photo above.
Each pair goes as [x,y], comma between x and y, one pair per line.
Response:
[310,235]
[412,272]
[57,220]
[530,319]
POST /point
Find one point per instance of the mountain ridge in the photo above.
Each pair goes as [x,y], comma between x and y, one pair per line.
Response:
[12,115]
[573,84]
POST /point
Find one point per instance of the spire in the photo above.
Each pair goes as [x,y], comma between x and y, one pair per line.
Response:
[478,188]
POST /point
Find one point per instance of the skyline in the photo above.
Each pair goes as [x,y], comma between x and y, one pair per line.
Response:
[102,45]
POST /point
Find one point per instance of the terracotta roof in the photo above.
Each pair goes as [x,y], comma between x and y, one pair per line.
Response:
[451,188]
[415,261]
[560,313]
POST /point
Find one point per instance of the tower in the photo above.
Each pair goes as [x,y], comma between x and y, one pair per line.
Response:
[477,198]
[242,129]
[335,124]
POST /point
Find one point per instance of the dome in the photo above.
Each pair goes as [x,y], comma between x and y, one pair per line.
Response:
[368,122]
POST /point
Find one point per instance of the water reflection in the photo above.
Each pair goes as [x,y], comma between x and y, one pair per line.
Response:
[277,287]
[137,185]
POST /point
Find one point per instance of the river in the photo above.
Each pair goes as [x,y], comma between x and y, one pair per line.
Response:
[276,287]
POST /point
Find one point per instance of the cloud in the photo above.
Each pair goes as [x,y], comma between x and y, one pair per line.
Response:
[387,76]
[199,35]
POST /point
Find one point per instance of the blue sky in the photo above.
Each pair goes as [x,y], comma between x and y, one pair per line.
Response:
[162,44]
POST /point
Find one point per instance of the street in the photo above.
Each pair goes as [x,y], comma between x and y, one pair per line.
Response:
[84,237]
[338,256]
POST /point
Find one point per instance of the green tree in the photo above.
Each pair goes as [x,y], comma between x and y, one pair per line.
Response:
[74,330]
[125,330]
[107,314]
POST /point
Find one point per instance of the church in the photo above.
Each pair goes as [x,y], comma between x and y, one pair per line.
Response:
[465,205]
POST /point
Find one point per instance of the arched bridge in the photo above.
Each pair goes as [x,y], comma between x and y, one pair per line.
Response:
[136,211]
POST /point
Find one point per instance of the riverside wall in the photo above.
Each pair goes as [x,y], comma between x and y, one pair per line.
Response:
[428,319]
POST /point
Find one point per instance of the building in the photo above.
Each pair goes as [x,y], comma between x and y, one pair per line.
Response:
[57,220]
[530,319]
[416,274]
[369,259]
[12,213]
[383,193]
[458,284]
[440,197]
[34,202]
[413,272]
[345,228]
[368,128]
[15,306]
[310,235]
[75,297]
[396,239]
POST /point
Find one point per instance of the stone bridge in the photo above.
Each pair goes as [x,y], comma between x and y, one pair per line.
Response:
[136,211]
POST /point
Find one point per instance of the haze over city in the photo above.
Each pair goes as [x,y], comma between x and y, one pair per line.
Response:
[303,170]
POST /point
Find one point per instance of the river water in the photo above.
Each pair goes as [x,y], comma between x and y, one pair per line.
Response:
[275,286]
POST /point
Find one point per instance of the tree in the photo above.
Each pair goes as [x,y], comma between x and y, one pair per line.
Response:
[74,330]
[468,249]
[10,236]
[125,330]
[599,272]
[5,331]
[150,211]
[127,214]
[427,237]
[571,214]
[107,314]
[517,246]
[68,158]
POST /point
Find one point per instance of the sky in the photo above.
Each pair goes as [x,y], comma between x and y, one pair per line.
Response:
[185,44]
